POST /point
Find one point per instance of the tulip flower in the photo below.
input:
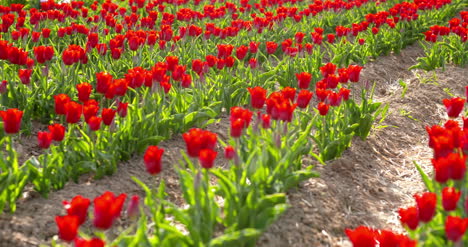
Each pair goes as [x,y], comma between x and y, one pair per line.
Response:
[57,131]
[84,91]
[73,112]
[152,159]
[409,217]
[323,108]
[67,227]
[303,98]
[266,123]
[107,208]
[3,87]
[362,237]
[455,228]
[354,71]
[133,207]
[450,197]
[11,120]
[303,80]
[257,97]
[25,76]
[44,139]
[60,101]
[122,109]
[454,106]
[108,116]
[426,206]
[94,123]
[78,206]
[94,242]
[229,152]
[207,157]
[197,139]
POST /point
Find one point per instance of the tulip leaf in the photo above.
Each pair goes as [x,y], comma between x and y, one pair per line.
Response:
[234,239]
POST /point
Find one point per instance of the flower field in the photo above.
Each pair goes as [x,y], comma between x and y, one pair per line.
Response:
[217,123]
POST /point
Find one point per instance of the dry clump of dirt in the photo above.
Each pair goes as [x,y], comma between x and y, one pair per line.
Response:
[375,177]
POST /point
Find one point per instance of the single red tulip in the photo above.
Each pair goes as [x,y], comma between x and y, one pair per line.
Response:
[207,157]
[78,206]
[455,228]
[11,120]
[44,139]
[409,217]
[67,227]
[152,159]
[107,208]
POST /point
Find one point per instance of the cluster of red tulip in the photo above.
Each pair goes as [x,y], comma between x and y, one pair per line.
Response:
[107,209]
[458,26]
[201,144]
[364,236]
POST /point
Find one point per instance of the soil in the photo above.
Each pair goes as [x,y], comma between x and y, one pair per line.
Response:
[366,186]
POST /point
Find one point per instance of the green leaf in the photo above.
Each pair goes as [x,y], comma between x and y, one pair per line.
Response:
[236,239]
[427,181]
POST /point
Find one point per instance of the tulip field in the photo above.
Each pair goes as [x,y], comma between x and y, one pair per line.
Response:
[233,123]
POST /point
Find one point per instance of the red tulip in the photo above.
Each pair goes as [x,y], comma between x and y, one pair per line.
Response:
[271,47]
[266,124]
[323,108]
[107,208]
[108,116]
[73,112]
[409,217]
[11,120]
[362,41]
[122,109]
[172,61]
[455,228]
[454,106]
[449,167]
[303,80]
[84,91]
[152,159]
[25,75]
[257,97]
[426,206]
[450,197]
[303,98]
[362,237]
[90,110]
[237,125]
[354,71]
[186,81]
[344,93]
[60,101]
[197,139]
[328,69]
[241,52]
[3,87]
[104,79]
[78,207]
[229,152]
[133,207]
[207,157]
[44,139]
[253,63]
[94,242]
[67,227]
[57,131]
[289,93]
[253,46]
[94,123]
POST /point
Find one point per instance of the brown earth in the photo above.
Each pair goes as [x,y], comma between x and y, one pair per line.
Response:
[364,187]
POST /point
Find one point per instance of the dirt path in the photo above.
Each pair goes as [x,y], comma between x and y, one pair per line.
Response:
[366,186]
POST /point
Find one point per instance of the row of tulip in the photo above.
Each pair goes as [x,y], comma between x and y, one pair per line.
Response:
[440,215]
[451,47]
[264,153]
